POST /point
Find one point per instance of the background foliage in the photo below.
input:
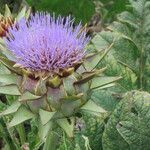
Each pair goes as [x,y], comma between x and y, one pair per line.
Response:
[124,37]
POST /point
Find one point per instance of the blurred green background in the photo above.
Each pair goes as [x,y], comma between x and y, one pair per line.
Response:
[82,10]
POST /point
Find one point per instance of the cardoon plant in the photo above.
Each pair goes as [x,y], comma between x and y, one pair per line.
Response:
[52,73]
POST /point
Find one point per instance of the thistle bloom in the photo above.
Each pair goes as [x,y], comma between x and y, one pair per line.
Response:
[50,88]
[47,43]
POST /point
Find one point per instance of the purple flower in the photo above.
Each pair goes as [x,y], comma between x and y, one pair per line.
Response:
[47,43]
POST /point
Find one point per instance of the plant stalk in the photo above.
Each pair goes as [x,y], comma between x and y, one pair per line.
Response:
[6,136]
[22,134]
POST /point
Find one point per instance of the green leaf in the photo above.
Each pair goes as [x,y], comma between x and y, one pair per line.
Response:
[108,98]
[94,60]
[88,125]
[9,64]
[67,126]
[38,145]
[45,116]
[116,7]
[28,96]
[44,129]
[3,69]
[103,40]
[128,18]
[91,106]
[20,116]
[91,61]
[11,109]
[130,34]
[10,90]
[100,82]
[7,79]
[70,106]
[129,123]
[4,50]
[136,137]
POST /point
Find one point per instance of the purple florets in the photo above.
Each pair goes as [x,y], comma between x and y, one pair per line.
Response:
[47,43]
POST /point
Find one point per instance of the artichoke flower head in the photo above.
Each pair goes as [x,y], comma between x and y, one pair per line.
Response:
[8,19]
[52,73]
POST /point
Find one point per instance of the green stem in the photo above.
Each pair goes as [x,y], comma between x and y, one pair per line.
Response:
[51,141]
[6,136]
[22,133]
[142,70]
[142,82]
[64,139]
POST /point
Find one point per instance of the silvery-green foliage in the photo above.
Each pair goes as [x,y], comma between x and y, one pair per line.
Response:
[130,36]
[129,126]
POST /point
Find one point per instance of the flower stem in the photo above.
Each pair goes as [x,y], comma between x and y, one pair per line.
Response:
[21,132]
[51,141]
[6,136]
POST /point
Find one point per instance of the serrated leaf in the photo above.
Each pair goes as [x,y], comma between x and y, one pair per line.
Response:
[45,116]
[128,18]
[11,109]
[10,90]
[129,123]
[131,45]
[20,116]
[28,96]
[136,137]
[92,107]
[67,126]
